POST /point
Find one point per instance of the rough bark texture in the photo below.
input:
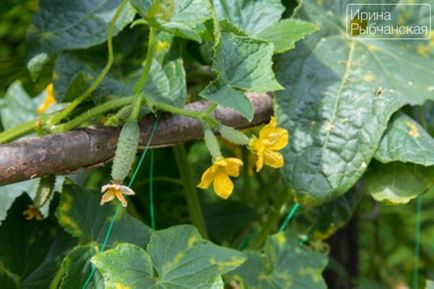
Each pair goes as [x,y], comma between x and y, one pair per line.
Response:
[92,147]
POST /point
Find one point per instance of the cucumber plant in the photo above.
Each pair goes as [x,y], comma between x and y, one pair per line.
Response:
[248,208]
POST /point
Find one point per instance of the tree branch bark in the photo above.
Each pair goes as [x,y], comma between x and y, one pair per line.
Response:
[67,152]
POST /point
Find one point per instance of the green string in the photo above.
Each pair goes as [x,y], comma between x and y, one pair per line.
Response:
[417,243]
[289,217]
[151,190]
[118,207]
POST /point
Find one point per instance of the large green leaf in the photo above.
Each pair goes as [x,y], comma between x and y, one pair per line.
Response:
[261,19]
[406,141]
[77,267]
[31,251]
[338,98]
[183,18]
[242,64]
[175,258]
[63,24]
[429,284]
[285,264]
[252,16]
[398,183]
[166,83]
[285,33]
[80,213]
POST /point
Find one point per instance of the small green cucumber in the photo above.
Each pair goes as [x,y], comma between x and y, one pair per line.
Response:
[126,150]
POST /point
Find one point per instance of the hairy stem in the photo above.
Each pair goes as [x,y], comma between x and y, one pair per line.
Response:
[204,116]
[142,81]
[105,107]
[193,202]
[57,118]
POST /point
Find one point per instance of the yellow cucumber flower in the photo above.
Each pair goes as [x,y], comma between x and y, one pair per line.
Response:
[48,101]
[218,174]
[271,140]
[112,191]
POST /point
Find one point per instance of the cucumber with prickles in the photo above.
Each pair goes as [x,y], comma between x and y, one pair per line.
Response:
[126,150]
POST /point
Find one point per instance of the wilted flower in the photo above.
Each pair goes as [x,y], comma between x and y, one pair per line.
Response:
[112,191]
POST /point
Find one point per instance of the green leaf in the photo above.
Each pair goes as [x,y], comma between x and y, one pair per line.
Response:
[398,183]
[406,141]
[9,193]
[63,25]
[321,222]
[31,250]
[183,18]
[285,33]
[243,64]
[18,106]
[261,19]
[175,258]
[429,284]
[166,83]
[251,16]
[285,264]
[80,213]
[77,268]
[338,98]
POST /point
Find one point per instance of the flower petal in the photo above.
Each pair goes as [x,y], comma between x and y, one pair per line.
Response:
[107,197]
[223,185]
[232,167]
[126,190]
[259,162]
[207,177]
[273,159]
[121,198]
[267,129]
[277,139]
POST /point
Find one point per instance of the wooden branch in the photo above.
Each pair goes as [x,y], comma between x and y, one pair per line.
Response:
[67,152]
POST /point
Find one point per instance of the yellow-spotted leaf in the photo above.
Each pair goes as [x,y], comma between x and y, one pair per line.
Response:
[284,264]
[339,96]
[175,258]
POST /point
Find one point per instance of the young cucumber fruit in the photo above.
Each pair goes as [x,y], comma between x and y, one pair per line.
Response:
[125,151]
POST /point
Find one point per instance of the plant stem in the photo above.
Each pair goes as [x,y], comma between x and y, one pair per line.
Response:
[57,118]
[193,202]
[57,278]
[201,115]
[19,130]
[142,81]
[107,106]
[148,62]
[273,219]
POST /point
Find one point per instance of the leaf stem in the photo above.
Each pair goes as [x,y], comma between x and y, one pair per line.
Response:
[272,220]
[57,118]
[142,81]
[19,130]
[204,116]
[148,62]
[193,202]
[107,106]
